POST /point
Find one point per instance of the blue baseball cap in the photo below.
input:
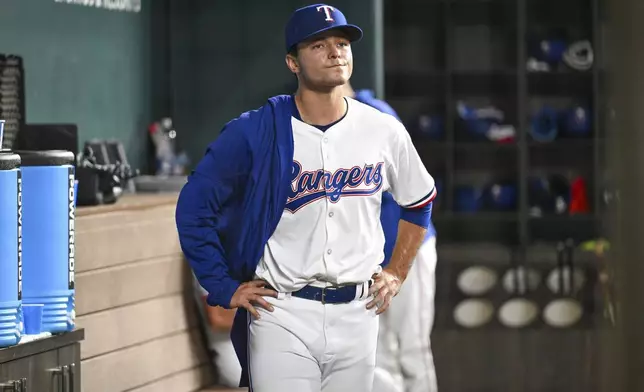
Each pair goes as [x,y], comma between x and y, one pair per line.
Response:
[315,19]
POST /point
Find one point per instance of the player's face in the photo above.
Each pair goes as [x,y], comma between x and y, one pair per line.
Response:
[325,61]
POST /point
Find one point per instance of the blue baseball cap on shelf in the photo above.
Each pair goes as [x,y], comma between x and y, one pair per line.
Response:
[311,20]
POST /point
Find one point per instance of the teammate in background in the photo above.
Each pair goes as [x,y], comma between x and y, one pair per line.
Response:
[217,323]
[404,360]
[280,219]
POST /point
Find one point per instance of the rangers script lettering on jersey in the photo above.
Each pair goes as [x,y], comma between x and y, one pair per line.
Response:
[308,187]
[337,179]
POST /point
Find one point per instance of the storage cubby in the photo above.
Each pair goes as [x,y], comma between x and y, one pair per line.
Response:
[483,87]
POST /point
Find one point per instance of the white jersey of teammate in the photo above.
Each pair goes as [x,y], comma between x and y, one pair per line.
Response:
[220,346]
[330,231]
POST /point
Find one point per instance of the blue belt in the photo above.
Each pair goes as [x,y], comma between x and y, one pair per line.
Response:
[330,295]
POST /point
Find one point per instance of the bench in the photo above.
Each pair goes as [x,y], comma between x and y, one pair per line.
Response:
[134,300]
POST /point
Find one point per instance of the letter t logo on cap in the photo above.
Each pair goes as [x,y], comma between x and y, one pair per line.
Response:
[327,10]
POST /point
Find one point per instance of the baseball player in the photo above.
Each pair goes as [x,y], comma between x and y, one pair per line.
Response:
[280,219]
[404,360]
[217,323]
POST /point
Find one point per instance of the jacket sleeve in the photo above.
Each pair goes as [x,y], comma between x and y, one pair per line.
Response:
[218,178]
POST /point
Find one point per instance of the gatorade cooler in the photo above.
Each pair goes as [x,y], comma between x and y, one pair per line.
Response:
[10,250]
[48,217]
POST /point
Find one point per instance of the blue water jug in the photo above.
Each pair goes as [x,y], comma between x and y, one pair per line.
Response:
[10,246]
[48,236]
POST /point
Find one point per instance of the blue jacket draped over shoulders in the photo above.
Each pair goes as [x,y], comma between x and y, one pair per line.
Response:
[232,203]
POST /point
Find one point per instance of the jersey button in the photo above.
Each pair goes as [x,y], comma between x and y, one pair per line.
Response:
[329,251]
[326,140]
[331,214]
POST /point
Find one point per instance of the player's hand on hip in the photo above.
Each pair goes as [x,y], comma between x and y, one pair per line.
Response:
[250,294]
[385,287]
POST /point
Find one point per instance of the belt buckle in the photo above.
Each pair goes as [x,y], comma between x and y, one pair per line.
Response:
[323,299]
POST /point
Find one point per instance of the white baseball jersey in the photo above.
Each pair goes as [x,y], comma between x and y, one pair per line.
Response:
[330,231]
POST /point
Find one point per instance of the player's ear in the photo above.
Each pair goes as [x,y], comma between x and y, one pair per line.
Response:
[292,63]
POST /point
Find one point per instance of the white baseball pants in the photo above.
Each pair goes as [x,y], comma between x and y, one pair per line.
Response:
[225,360]
[404,358]
[307,346]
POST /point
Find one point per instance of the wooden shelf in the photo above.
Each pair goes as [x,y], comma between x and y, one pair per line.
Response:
[401,84]
[493,82]
[497,13]
[554,228]
[477,227]
[574,83]
[562,152]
